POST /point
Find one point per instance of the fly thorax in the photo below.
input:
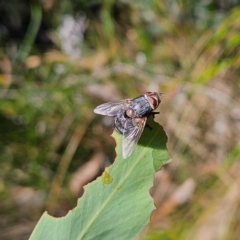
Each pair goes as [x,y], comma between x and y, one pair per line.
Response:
[140,107]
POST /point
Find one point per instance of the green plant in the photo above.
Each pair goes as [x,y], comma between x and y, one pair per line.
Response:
[118,203]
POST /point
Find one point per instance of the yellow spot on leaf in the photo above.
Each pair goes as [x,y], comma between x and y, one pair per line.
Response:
[119,187]
[107,178]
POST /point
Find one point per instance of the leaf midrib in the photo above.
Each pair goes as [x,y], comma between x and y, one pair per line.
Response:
[114,191]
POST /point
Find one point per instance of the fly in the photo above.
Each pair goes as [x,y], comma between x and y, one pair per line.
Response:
[130,117]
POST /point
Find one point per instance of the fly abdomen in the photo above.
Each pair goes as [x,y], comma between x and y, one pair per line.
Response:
[122,123]
[119,121]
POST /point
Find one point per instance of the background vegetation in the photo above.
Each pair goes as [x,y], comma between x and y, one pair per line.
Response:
[59,60]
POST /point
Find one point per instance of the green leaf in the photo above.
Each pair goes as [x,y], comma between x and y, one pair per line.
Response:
[116,205]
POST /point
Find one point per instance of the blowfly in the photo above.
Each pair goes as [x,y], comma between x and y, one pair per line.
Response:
[130,117]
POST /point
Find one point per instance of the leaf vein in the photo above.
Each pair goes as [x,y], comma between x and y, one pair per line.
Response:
[115,190]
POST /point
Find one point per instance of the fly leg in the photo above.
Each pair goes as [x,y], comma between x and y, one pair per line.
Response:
[148,126]
[152,113]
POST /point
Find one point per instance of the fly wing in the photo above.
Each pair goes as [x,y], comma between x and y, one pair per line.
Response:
[132,135]
[112,108]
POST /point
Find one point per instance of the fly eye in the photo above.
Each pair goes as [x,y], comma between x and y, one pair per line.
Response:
[153,102]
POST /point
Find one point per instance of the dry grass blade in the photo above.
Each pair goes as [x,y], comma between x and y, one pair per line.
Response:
[86,173]
[215,225]
[65,161]
[180,196]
